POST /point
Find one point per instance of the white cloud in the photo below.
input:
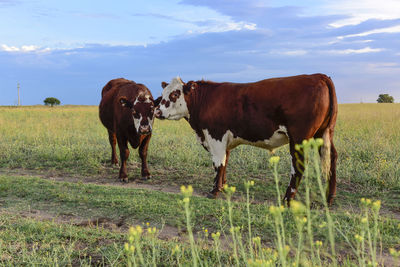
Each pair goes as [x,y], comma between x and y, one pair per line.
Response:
[227,26]
[24,48]
[299,52]
[385,68]
[9,48]
[394,29]
[356,51]
[360,11]
[383,65]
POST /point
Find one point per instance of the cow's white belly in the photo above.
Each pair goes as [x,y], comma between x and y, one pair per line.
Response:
[218,148]
[278,138]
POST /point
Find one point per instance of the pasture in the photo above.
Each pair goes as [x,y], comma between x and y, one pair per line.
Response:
[61,202]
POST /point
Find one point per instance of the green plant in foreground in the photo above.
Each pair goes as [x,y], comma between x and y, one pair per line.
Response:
[276,212]
[252,252]
[311,149]
[229,191]
[368,234]
[177,251]
[217,244]
[395,254]
[283,249]
[187,193]
[247,186]
[298,210]
[133,248]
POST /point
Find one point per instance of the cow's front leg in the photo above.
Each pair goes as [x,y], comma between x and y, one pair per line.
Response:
[219,153]
[143,156]
[220,161]
[124,154]
[113,141]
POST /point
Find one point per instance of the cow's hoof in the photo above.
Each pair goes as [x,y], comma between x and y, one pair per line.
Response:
[330,200]
[146,177]
[211,195]
[286,201]
[124,180]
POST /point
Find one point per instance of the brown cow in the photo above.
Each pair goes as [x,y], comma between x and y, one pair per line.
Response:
[127,111]
[267,114]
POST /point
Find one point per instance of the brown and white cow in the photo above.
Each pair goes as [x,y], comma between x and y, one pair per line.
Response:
[267,114]
[127,111]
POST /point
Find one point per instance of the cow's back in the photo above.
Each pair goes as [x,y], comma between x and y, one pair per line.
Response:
[108,111]
[304,98]
[291,97]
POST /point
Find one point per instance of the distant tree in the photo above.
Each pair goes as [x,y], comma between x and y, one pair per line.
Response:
[51,101]
[385,98]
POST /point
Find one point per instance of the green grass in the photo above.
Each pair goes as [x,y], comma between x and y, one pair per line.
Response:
[40,142]
[72,141]
[29,242]
[28,195]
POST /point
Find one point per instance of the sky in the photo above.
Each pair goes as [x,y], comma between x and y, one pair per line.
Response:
[71,49]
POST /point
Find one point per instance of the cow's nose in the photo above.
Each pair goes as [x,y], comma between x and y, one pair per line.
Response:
[144,129]
[158,114]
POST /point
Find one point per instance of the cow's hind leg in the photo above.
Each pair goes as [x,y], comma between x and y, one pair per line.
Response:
[143,156]
[328,163]
[226,163]
[113,141]
[331,192]
[297,170]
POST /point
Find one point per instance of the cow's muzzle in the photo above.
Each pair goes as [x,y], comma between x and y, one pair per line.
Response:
[144,129]
[158,114]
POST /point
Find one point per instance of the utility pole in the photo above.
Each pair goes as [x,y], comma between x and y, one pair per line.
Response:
[19,100]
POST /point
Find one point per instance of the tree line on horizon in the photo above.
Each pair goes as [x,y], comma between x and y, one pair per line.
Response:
[382,98]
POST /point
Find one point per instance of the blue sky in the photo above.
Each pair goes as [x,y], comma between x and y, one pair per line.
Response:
[71,49]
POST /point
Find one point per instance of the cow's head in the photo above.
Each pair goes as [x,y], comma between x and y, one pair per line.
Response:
[142,110]
[173,105]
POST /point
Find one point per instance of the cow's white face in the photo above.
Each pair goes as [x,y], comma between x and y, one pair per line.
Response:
[173,105]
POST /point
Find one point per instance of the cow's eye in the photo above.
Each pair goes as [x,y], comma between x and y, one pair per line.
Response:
[176,95]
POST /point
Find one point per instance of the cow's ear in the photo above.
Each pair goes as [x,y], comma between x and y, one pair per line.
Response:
[125,102]
[188,87]
[164,84]
[157,101]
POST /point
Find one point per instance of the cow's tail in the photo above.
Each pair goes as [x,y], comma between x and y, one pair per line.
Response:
[328,133]
[326,154]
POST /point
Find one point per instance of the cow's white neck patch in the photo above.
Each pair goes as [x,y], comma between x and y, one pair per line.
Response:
[216,148]
[137,123]
[151,122]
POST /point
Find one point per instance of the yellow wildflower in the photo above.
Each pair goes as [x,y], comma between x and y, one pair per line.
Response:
[274,160]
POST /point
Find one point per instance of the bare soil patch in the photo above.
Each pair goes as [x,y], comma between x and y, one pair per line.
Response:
[95,179]
[106,180]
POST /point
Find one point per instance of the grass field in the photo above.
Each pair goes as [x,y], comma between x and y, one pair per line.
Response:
[61,203]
